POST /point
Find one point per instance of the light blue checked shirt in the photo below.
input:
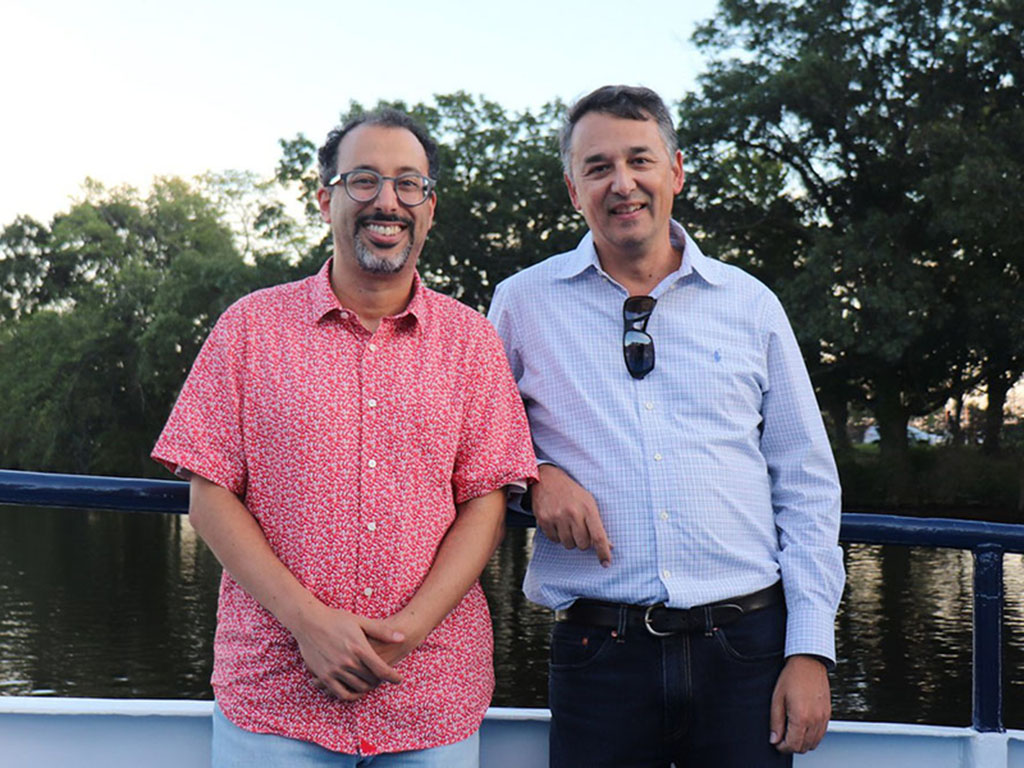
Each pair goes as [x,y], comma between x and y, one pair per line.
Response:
[713,475]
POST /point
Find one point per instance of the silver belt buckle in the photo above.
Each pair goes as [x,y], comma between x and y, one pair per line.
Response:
[647,621]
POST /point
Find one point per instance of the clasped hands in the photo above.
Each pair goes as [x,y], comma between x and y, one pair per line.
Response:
[350,655]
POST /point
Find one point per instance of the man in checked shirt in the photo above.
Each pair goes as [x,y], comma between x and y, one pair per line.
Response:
[688,500]
[349,438]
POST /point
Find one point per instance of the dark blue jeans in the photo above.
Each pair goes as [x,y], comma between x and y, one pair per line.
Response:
[696,700]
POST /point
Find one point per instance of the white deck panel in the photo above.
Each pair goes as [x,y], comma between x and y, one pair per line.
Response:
[40,732]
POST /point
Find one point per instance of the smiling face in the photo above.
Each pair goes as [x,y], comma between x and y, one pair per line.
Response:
[381,236]
[623,179]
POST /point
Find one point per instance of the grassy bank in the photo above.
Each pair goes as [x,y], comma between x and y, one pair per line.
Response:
[944,482]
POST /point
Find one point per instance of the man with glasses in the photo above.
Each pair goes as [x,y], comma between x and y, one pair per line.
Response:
[688,503]
[348,440]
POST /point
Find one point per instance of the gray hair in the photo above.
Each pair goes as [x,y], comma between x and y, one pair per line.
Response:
[626,101]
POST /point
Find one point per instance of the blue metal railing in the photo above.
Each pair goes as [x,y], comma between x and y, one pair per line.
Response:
[987,541]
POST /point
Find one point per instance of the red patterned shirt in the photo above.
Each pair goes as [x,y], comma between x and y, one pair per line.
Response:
[351,449]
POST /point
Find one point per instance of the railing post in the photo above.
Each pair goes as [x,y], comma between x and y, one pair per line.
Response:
[988,642]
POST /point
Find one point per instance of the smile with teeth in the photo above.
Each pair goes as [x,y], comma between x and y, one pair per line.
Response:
[388,230]
[627,208]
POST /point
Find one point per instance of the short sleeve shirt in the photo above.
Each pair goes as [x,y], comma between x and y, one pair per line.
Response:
[351,450]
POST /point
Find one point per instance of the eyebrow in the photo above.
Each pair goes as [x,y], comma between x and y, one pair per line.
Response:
[403,169]
[600,156]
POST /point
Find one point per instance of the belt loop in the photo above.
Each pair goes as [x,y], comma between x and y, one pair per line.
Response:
[709,624]
[620,630]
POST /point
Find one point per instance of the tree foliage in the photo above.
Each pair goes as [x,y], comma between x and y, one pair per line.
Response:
[866,158]
[104,311]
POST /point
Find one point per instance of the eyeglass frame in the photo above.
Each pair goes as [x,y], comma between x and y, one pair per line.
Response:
[630,326]
[429,185]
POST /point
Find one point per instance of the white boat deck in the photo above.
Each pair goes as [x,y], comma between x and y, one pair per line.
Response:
[38,732]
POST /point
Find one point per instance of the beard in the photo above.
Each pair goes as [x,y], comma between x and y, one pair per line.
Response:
[382,265]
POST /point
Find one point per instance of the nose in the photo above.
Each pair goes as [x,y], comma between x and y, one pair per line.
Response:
[387,199]
[622,180]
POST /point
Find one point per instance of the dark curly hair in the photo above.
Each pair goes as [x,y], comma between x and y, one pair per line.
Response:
[327,155]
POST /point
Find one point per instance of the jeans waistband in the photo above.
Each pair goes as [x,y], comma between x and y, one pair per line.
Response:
[661,621]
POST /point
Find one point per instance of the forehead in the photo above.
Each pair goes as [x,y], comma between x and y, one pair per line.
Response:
[600,134]
[383,148]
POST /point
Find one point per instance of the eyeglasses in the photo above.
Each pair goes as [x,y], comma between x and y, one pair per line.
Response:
[363,185]
[637,344]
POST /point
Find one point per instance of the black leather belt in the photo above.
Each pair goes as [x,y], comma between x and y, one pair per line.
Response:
[662,621]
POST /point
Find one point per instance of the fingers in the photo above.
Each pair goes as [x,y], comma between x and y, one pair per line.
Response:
[380,630]
[602,545]
[339,654]
[794,739]
[801,737]
[379,670]
[566,513]
[801,706]
[354,679]
[777,718]
[335,687]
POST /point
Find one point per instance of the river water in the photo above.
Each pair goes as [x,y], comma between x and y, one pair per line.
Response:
[109,604]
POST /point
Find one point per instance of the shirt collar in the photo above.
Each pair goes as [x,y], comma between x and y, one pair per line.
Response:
[323,301]
[710,270]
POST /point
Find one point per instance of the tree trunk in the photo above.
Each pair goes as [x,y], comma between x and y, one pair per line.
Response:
[998,385]
[838,412]
[954,421]
[892,416]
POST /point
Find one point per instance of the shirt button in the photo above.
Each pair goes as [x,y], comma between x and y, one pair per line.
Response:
[368,591]
[372,463]
[373,347]
[344,315]
[371,403]
[371,526]
[667,573]
[657,457]
[649,406]
[664,515]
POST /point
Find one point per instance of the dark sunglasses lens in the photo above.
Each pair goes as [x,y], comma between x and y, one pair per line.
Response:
[638,308]
[638,349]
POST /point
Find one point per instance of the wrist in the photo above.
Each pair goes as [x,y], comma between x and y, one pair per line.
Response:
[302,616]
[803,658]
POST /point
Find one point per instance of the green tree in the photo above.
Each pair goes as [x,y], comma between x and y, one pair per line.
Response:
[832,134]
[106,309]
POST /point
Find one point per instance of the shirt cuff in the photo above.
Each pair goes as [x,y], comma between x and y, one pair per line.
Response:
[811,632]
[518,500]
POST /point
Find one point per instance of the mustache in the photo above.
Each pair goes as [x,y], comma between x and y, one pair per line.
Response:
[383,218]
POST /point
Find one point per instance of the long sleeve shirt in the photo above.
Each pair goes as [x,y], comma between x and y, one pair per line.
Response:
[713,474]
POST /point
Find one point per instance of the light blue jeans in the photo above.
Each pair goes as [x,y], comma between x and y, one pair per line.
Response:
[234,747]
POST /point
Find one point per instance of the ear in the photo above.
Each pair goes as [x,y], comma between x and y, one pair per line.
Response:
[678,174]
[323,200]
[432,202]
[572,191]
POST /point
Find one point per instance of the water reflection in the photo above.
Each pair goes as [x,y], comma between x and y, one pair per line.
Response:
[904,636]
[104,604]
[123,605]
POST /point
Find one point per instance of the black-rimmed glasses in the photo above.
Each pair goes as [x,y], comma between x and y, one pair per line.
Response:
[637,344]
[364,185]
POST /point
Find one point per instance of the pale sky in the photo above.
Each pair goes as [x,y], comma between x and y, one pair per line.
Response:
[125,90]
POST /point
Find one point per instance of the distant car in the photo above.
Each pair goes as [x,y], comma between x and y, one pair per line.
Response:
[913,433]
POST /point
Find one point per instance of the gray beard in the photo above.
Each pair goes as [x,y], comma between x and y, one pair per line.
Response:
[379,265]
